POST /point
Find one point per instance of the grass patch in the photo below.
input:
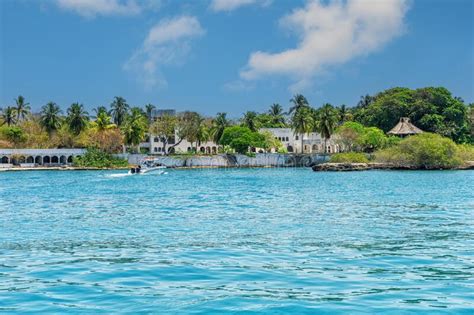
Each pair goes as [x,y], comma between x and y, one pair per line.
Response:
[349,157]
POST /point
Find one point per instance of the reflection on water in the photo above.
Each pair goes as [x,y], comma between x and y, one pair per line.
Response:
[229,241]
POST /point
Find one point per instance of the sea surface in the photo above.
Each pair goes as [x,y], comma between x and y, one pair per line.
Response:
[237,241]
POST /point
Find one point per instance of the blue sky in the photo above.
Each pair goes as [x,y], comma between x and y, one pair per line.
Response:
[230,55]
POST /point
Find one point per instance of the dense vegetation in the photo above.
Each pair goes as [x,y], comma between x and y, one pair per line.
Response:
[431,109]
[361,128]
[426,151]
[99,159]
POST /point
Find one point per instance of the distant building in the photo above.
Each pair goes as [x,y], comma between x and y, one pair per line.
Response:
[157,113]
[312,143]
[34,157]
[405,128]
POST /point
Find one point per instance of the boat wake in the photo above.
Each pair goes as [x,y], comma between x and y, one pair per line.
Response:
[119,175]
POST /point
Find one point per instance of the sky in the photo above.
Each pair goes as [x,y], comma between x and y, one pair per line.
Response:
[230,55]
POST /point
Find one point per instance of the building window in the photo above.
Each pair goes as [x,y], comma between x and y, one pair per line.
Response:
[287,139]
[296,138]
[156,139]
[156,149]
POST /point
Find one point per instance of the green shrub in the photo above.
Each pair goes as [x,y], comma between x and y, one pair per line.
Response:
[426,151]
[349,157]
[466,152]
[96,158]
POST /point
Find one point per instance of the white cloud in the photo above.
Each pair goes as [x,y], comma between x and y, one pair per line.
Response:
[167,43]
[92,8]
[329,34]
[230,5]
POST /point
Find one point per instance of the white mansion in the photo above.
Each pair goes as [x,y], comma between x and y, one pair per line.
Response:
[312,143]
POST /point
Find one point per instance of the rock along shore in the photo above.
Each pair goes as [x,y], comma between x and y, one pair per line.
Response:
[347,167]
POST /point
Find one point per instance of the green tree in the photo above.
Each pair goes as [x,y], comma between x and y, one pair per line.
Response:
[188,127]
[250,120]
[8,116]
[431,109]
[326,122]
[349,135]
[241,138]
[134,128]
[372,139]
[22,108]
[100,109]
[119,110]
[218,126]
[50,117]
[298,102]
[14,135]
[302,122]
[77,118]
[277,118]
[203,131]
[103,121]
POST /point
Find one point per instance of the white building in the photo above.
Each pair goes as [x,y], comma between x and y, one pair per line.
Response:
[312,143]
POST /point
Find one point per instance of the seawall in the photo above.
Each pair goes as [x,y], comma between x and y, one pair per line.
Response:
[234,160]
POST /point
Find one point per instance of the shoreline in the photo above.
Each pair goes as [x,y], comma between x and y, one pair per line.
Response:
[323,167]
[357,167]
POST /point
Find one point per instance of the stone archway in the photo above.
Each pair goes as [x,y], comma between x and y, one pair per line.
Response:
[70,159]
[202,149]
[63,159]
[5,160]
[214,150]
[46,160]
[54,159]
[289,149]
[21,159]
[38,160]
[208,150]
[30,159]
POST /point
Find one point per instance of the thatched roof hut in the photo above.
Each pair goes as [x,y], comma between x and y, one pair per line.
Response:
[405,128]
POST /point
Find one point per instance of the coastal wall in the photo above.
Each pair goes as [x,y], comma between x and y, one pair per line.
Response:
[235,160]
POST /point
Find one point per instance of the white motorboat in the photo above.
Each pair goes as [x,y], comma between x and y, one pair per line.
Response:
[147,166]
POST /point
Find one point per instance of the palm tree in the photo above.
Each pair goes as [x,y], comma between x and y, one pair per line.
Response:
[119,110]
[22,109]
[276,114]
[250,120]
[149,111]
[8,116]
[298,101]
[100,109]
[218,126]
[202,134]
[342,114]
[103,122]
[365,100]
[326,123]
[50,117]
[302,122]
[77,118]
[134,127]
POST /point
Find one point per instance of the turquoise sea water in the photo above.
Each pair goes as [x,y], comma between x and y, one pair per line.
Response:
[237,241]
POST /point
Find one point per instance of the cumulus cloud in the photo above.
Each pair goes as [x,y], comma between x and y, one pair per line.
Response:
[329,33]
[92,8]
[167,43]
[230,5]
